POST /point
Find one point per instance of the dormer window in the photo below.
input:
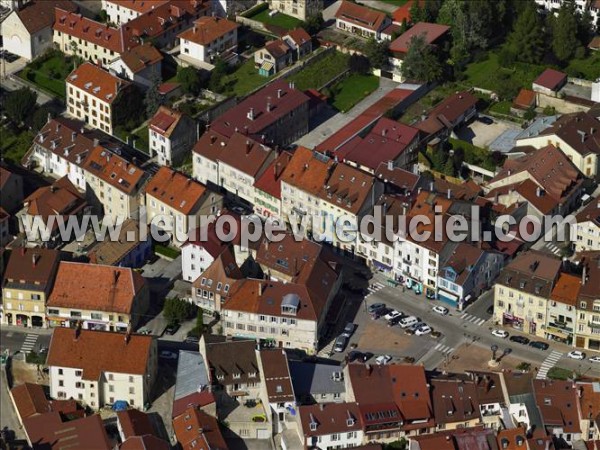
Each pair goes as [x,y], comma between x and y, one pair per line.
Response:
[290,304]
[350,422]
[219,286]
[237,375]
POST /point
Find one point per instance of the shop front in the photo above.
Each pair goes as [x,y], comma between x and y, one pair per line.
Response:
[416,286]
[448,298]
[558,335]
[513,321]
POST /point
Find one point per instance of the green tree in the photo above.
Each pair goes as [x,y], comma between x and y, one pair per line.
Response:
[359,64]
[585,27]
[449,167]
[20,104]
[527,41]
[564,32]
[377,52]
[421,62]
[200,320]
[313,24]
[177,310]
[431,9]
[189,78]
[128,105]
[153,98]
[438,160]
[40,118]
[417,14]
[216,76]
[102,16]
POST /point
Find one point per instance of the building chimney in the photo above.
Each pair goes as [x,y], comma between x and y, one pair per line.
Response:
[390,165]
[279,93]
[449,194]
[248,147]
[34,259]
[583,275]
[78,330]
[260,289]
[73,136]
[251,114]
[96,142]
[384,132]
[49,118]
[269,104]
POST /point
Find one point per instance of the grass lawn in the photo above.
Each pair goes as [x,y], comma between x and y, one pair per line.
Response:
[166,251]
[278,20]
[142,141]
[394,2]
[353,89]
[244,79]
[49,74]
[588,68]
[473,154]
[14,144]
[487,74]
[316,74]
[501,107]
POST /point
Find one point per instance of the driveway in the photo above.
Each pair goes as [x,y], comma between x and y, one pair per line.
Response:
[482,135]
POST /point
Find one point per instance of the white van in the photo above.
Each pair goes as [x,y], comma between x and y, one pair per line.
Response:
[408,321]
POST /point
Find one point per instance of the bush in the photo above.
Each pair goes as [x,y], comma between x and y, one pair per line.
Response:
[177,310]
[549,111]
[524,366]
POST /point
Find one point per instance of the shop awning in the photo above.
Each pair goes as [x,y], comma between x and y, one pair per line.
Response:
[448,295]
[557,332]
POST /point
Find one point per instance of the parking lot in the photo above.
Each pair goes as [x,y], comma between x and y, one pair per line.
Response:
[481,134]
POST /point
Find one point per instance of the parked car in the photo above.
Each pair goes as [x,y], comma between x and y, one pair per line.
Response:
[440,310]
[375,307]
[349,329]
[425,329]
[166,354]
[519,339]
[500,333]
[192,340]
[576,354]
[172,329]
[539,345]
[383,360]
[354,355]
[392,314]
[380,313]
[595,359]
[340,344]
[408,321]
[485,119]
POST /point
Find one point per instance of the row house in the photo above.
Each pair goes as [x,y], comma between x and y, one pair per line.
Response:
[233,163]
[558,403]
[267,188]
[176,203]
[331,425]
[120,12]
[588,307]
[361,20]
[93,96]
[172,135]
[455,403]
[317,382]
[586,233]
[577,136]
[209,38]
[133,248]
[113,184]
[98,368]
[97,297]
[300,9]
[27,283]
[194,428]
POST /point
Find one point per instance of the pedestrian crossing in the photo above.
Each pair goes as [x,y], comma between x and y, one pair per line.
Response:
[374,287]
[553,248]
[29,343]
[477,321]
[548,364]
[445,349]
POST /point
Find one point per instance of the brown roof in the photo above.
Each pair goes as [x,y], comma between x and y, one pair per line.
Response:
[277,49]
[454,400]
[580,130]
[590,213]
[220,276]
[557,401]
[330,418]
[589,401]
[533,272]
[36,276]
[176,190]
[196,430]
[49,432]
[30,399]
[114,170]
[525,99]
[5,174]
[276,374]
[233,357]
[447,112]
[400,178]
[348,188]
[140,6]
[165,120]
[141,56]
[94,352]
[431,32]
[288,256]
[462,259]
[551,79]
[360,15]
[270,180]
[97,82]
[513,439]
[146,442]
[134,423]
[61,198]
[307,170]
[566,289]
[207,238]
[37,15]
[246,155]
[282,101]
[89,30]
[111,252]
[208,29]
[299,36]
[211,144]
[590,291]
[96,287]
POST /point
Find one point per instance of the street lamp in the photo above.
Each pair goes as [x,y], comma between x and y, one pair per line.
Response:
[494,349]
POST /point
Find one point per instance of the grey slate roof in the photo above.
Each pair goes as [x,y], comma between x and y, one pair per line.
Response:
[191,373]
[314,379]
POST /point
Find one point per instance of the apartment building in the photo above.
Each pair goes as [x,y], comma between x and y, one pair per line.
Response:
[558,396]
[141,65]
[120,12]
[172,135]
[561,316]
[577,136]
[113,184]
[267,188]
[93,96]
[180,201]
[277,390]
[586,234]
[300,9]
[124,252]
[455,403]
[522,290]
[330,425]
[98,368]
[209,38]
[361,20]
[97,297]
[587,329]
[27,283]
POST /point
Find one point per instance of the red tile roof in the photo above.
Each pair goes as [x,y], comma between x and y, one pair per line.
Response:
[360,15]
[525,99]
[581,131]
[94,352]
[95,287]
[278,94]
[134,423]
[276,374]
[307,171]
[37,15]
[140,57]
[299,36]
[246,155]
[146,442]
[557,401]
[35,266]
[140,6]
[402,13]
[114,170]
[176,190]
[431,32]
[278,49]
[348,188]
[208,29]
[165,121]
[330,418]
[49,432]
[551,79]
[196,430]
[97,82]
[447,112]
[270,180]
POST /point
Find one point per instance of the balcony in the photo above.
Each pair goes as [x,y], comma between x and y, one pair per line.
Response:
[563,326]
[408,262]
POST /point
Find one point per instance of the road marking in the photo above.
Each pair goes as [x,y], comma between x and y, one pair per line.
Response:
[548,364]
[446,350]
[29,343]
[374,287]
[477,321]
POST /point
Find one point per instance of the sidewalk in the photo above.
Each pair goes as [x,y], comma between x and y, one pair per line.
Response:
[24,330]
